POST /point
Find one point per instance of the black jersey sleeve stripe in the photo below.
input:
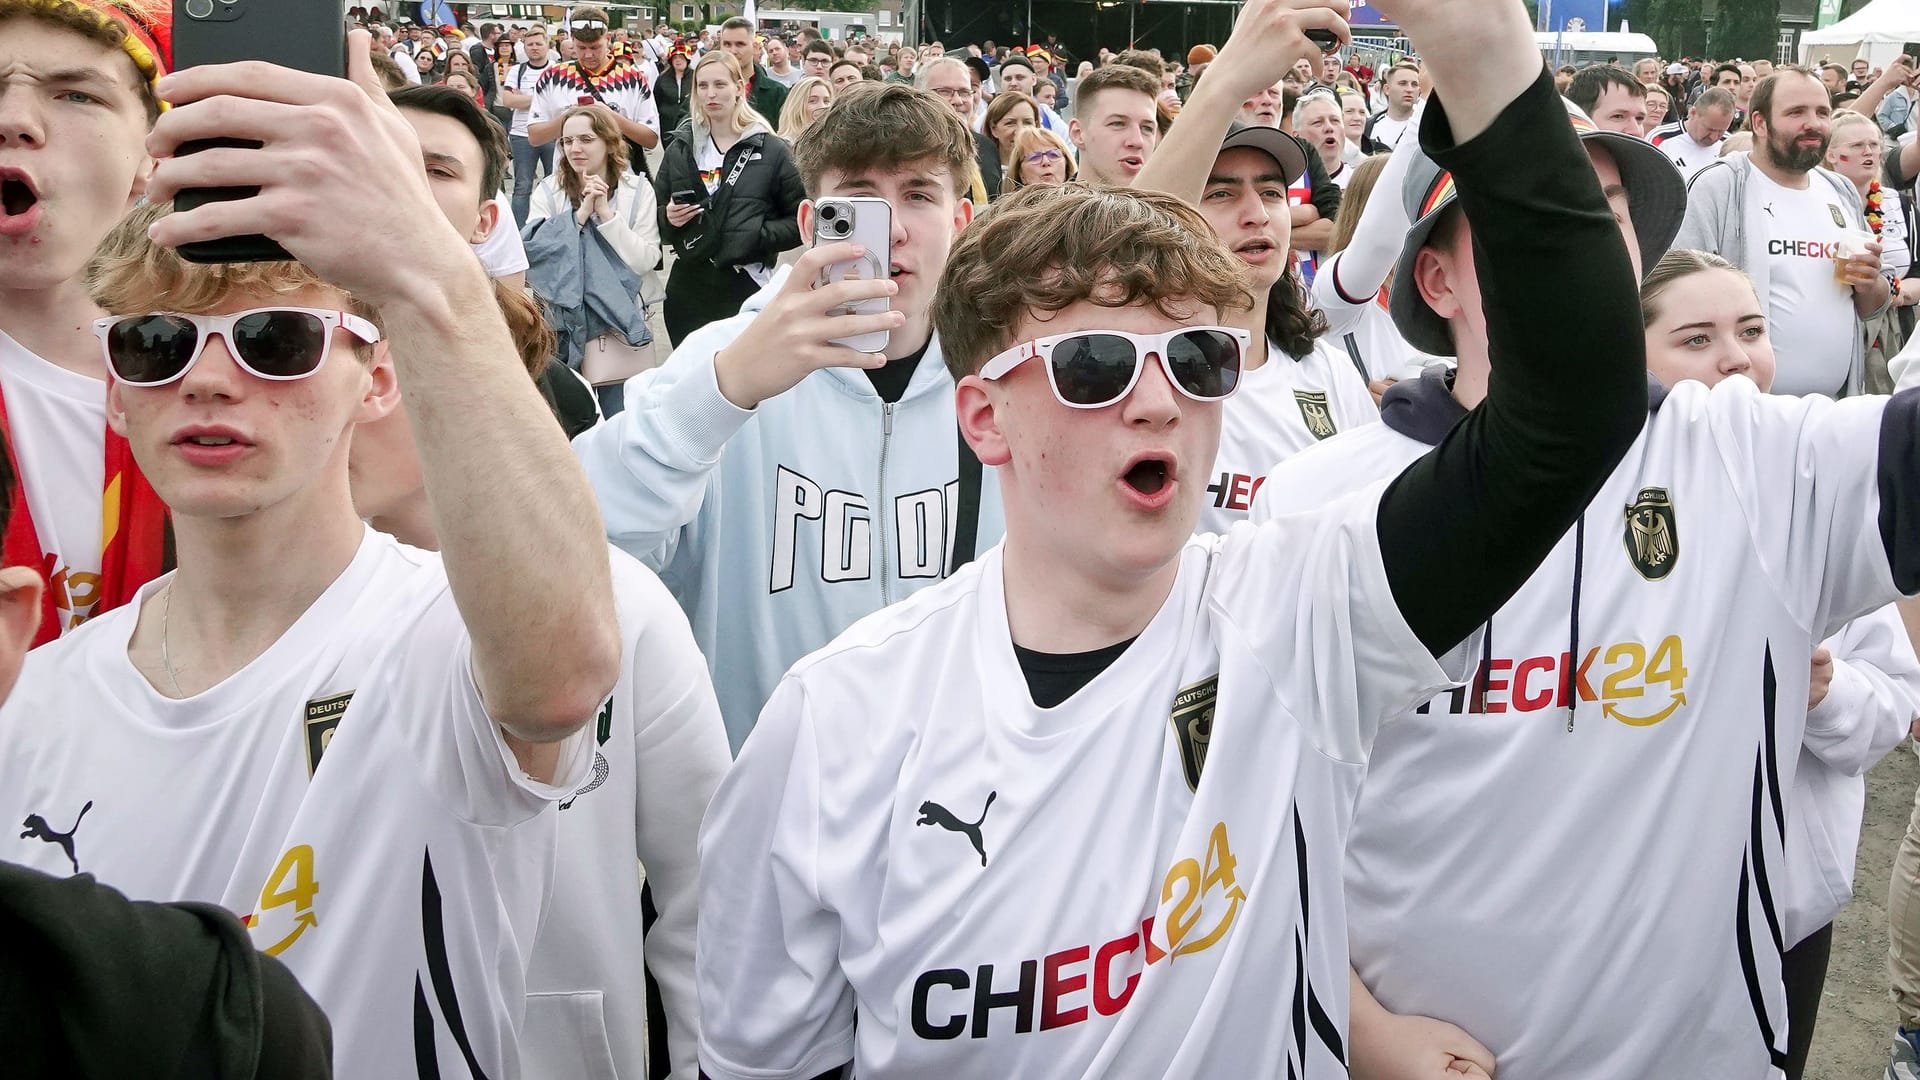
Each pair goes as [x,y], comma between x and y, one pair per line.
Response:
[1748,970]
[426,1063]
[1766,796]
[1900,488]
[434,934]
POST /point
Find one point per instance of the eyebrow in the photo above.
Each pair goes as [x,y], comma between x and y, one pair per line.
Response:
[80,75]
[1612,190]
[430,159]
[1234,181]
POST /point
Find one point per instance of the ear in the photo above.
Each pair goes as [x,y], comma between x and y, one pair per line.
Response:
[1433,273]
[483,225]
[962,215]
[806,222]
[382,395]
[20,589]
[116,408]
[1073,132]
[140,177]
[979,424]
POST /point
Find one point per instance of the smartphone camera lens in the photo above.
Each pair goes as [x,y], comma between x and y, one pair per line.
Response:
[199,9]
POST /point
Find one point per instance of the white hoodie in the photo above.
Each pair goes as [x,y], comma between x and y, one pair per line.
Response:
[778,527]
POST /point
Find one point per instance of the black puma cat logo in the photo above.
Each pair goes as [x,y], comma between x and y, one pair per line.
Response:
[37,827]
[932,813]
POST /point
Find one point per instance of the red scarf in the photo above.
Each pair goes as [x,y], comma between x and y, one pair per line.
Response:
[135,542]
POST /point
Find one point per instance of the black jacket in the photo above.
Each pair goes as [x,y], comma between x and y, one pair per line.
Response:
[987,153]
[766,94]
[751,220]
[673,97]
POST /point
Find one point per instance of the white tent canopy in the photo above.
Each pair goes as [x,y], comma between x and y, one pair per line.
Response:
[1875,33]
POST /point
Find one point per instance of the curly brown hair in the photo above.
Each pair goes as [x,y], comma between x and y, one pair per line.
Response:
[571,182]
[1114,246]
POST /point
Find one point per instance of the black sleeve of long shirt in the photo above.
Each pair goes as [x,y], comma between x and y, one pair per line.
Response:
[1465,526]
[95,985]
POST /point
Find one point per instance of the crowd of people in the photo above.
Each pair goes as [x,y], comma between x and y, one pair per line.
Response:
[592,665]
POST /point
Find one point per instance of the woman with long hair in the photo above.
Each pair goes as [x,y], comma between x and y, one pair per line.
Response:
[1039,157]
[673,90]
[503,62]
[459,63]
[1007,113]
[729,194]
[427,64]
[807,101]
[592,183]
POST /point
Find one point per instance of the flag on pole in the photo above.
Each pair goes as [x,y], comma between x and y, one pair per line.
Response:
[750,13]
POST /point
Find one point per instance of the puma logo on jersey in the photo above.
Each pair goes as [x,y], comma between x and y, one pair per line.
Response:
[932,813]
[37,828]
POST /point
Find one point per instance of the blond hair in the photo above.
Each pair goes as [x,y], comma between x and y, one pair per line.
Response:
[1071,242]
[743,116]
[1029,140]
[793,114]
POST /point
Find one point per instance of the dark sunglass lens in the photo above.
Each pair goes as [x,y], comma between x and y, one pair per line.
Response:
[150,348]
[281,343]
[1206,362]
[1094,369]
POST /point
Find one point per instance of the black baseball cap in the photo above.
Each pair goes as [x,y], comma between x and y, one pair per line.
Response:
[1289,152]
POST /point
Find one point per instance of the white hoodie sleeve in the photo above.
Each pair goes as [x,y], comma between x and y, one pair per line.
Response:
[1874,696]
[651,463]
[1350,280]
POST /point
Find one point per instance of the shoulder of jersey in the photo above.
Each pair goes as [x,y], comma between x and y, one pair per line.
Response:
[1348,462]
[930,610]
[1664,132]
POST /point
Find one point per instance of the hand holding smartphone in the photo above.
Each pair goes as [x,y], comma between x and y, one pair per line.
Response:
[866,221]
[296,34]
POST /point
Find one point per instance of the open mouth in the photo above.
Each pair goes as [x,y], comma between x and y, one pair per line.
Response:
[1254,247]
[16,194]
[1132,164]
[1149,476]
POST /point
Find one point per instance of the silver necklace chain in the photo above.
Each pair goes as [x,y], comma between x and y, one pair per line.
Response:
[166,616]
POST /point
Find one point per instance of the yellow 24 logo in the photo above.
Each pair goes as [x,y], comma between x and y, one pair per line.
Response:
[1193,884]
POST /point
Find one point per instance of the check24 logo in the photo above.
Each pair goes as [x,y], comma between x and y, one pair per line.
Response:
[1201,901]
[292,884]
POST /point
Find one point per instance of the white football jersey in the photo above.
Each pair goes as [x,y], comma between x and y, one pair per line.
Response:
[345,793]
[1577,856]
[1282,407]
[914,868]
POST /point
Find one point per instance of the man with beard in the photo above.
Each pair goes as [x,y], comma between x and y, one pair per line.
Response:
[1778,215]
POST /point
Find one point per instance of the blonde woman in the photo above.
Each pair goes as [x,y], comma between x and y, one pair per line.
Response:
[1039,157]
[729,195]
[806,101]
[592,183]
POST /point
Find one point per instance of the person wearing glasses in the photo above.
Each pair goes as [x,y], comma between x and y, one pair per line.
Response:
[949,79]
[1039,157]
[354,745]
[1080,809]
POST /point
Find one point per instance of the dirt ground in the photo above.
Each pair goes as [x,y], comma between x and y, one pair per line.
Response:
[1856,1020]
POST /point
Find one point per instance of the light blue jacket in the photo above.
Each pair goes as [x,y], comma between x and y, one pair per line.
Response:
[778,527]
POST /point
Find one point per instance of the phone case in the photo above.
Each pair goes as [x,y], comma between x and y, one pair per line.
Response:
[298,34]
[872,228]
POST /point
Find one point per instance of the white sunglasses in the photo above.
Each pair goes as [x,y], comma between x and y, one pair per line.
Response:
[1091,369]
[279,344]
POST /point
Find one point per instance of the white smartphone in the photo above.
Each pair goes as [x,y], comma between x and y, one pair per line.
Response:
[867,221]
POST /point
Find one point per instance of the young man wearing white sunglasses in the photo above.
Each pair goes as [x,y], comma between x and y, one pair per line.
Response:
[987,832]
[352,744]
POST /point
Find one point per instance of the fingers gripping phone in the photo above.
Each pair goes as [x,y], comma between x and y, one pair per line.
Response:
[866,221]
[299,34]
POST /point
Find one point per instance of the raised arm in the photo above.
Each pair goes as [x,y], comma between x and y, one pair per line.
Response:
[517,523]
[1567,393]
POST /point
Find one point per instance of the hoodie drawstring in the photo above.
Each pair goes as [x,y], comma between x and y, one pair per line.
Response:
[1573,620]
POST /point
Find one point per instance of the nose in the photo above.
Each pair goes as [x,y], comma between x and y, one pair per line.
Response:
[1253,211]
[898,237]
[21,125]
[1734,359]
[1154,402]
[215,374]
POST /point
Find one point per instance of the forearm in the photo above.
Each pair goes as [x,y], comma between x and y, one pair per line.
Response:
[1180,165]
[513,99]
[1478,74]
[638,132]
[1871,298]
[1313,236]
[1484,508]
[516,521]
[1365,263]
[544,131]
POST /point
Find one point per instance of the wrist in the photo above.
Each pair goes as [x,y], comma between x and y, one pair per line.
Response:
[731,382]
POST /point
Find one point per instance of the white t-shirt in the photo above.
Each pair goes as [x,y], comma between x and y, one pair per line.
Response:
[1590,890]
[1363,325]
[1810,315]
[523,78]
[1688,154]
[1282,407]
[623,87]
[345,793]
[992,889]
[1388,132]
[59,424]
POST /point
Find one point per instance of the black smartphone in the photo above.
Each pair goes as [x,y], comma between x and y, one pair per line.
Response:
[687,196]
[299,34]
[1326,39]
